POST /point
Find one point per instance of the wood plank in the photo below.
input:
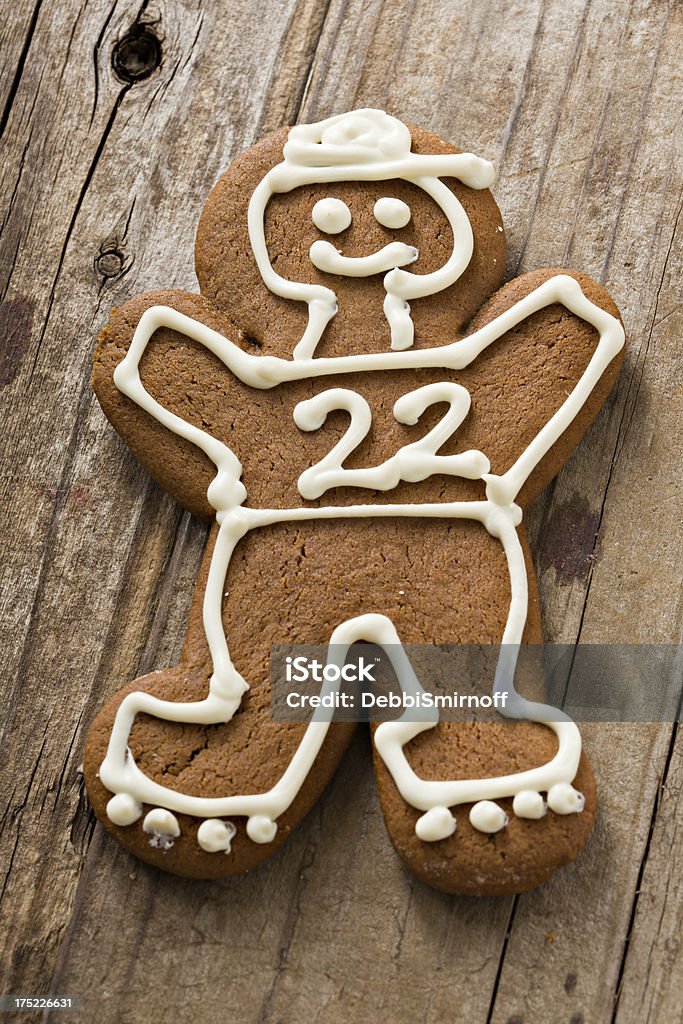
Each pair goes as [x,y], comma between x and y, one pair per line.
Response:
[90,538]
[652,979]
[386,946]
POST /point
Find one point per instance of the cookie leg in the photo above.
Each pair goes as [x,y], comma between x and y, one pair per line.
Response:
[488,808]
[180,771]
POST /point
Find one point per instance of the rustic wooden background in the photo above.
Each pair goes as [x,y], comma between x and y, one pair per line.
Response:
[104,175]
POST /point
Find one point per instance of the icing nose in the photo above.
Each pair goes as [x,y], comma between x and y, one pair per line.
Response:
[325,257]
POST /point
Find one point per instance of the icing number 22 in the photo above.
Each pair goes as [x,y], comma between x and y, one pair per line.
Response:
[412,462]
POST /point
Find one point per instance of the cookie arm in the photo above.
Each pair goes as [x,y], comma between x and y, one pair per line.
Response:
[532,370]
[177,372]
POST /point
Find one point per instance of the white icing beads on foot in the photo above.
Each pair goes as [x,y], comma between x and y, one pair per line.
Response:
[529,804]
[123,809]
[488,817]
[214,835]
[163,828]
[437,823]
[261,829]
[564,799]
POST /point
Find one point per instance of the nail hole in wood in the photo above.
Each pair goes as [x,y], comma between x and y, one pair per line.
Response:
[109,264]
[137,54]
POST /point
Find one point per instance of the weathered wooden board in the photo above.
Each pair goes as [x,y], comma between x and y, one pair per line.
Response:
[104,179]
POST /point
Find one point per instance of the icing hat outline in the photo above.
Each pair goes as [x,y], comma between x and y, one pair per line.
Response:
[368,137]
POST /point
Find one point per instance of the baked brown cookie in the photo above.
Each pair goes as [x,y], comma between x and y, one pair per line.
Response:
[366,417]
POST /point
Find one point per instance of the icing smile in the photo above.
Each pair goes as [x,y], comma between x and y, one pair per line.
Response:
[325,257]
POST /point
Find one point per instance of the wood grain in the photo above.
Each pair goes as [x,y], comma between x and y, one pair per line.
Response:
[578,105]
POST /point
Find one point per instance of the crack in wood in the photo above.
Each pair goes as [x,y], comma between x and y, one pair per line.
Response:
[21,63]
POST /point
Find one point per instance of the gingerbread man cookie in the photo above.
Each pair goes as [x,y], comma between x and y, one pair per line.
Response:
[364,413]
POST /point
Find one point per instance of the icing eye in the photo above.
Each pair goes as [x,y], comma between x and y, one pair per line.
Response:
[392,213]
[331,216]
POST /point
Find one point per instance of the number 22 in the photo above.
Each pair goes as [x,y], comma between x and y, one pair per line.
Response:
[412,462]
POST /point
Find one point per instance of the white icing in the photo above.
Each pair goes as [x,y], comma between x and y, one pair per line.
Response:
[261,828]
[488,817]
[325,257]
[161,820]
[529,804]
[123,809]
[312,154]
[163,828]
[437,823]
[413,462]
[331,216]
[215,836]
[564,799]
[391,213]
[269,371]
[365,145]
[397,312]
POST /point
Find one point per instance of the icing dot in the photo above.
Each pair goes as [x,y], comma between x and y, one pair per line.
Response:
[123,809]
[488,817]
[437,823]
[331,216]
[528,804]
[162,822]
[392,213]
[214,835]
[564,799]
[261,829]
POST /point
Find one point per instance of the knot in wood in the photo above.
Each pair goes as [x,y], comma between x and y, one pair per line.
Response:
[137,54]
[109,264]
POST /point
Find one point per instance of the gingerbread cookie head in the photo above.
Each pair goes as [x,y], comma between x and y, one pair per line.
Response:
[351,235]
